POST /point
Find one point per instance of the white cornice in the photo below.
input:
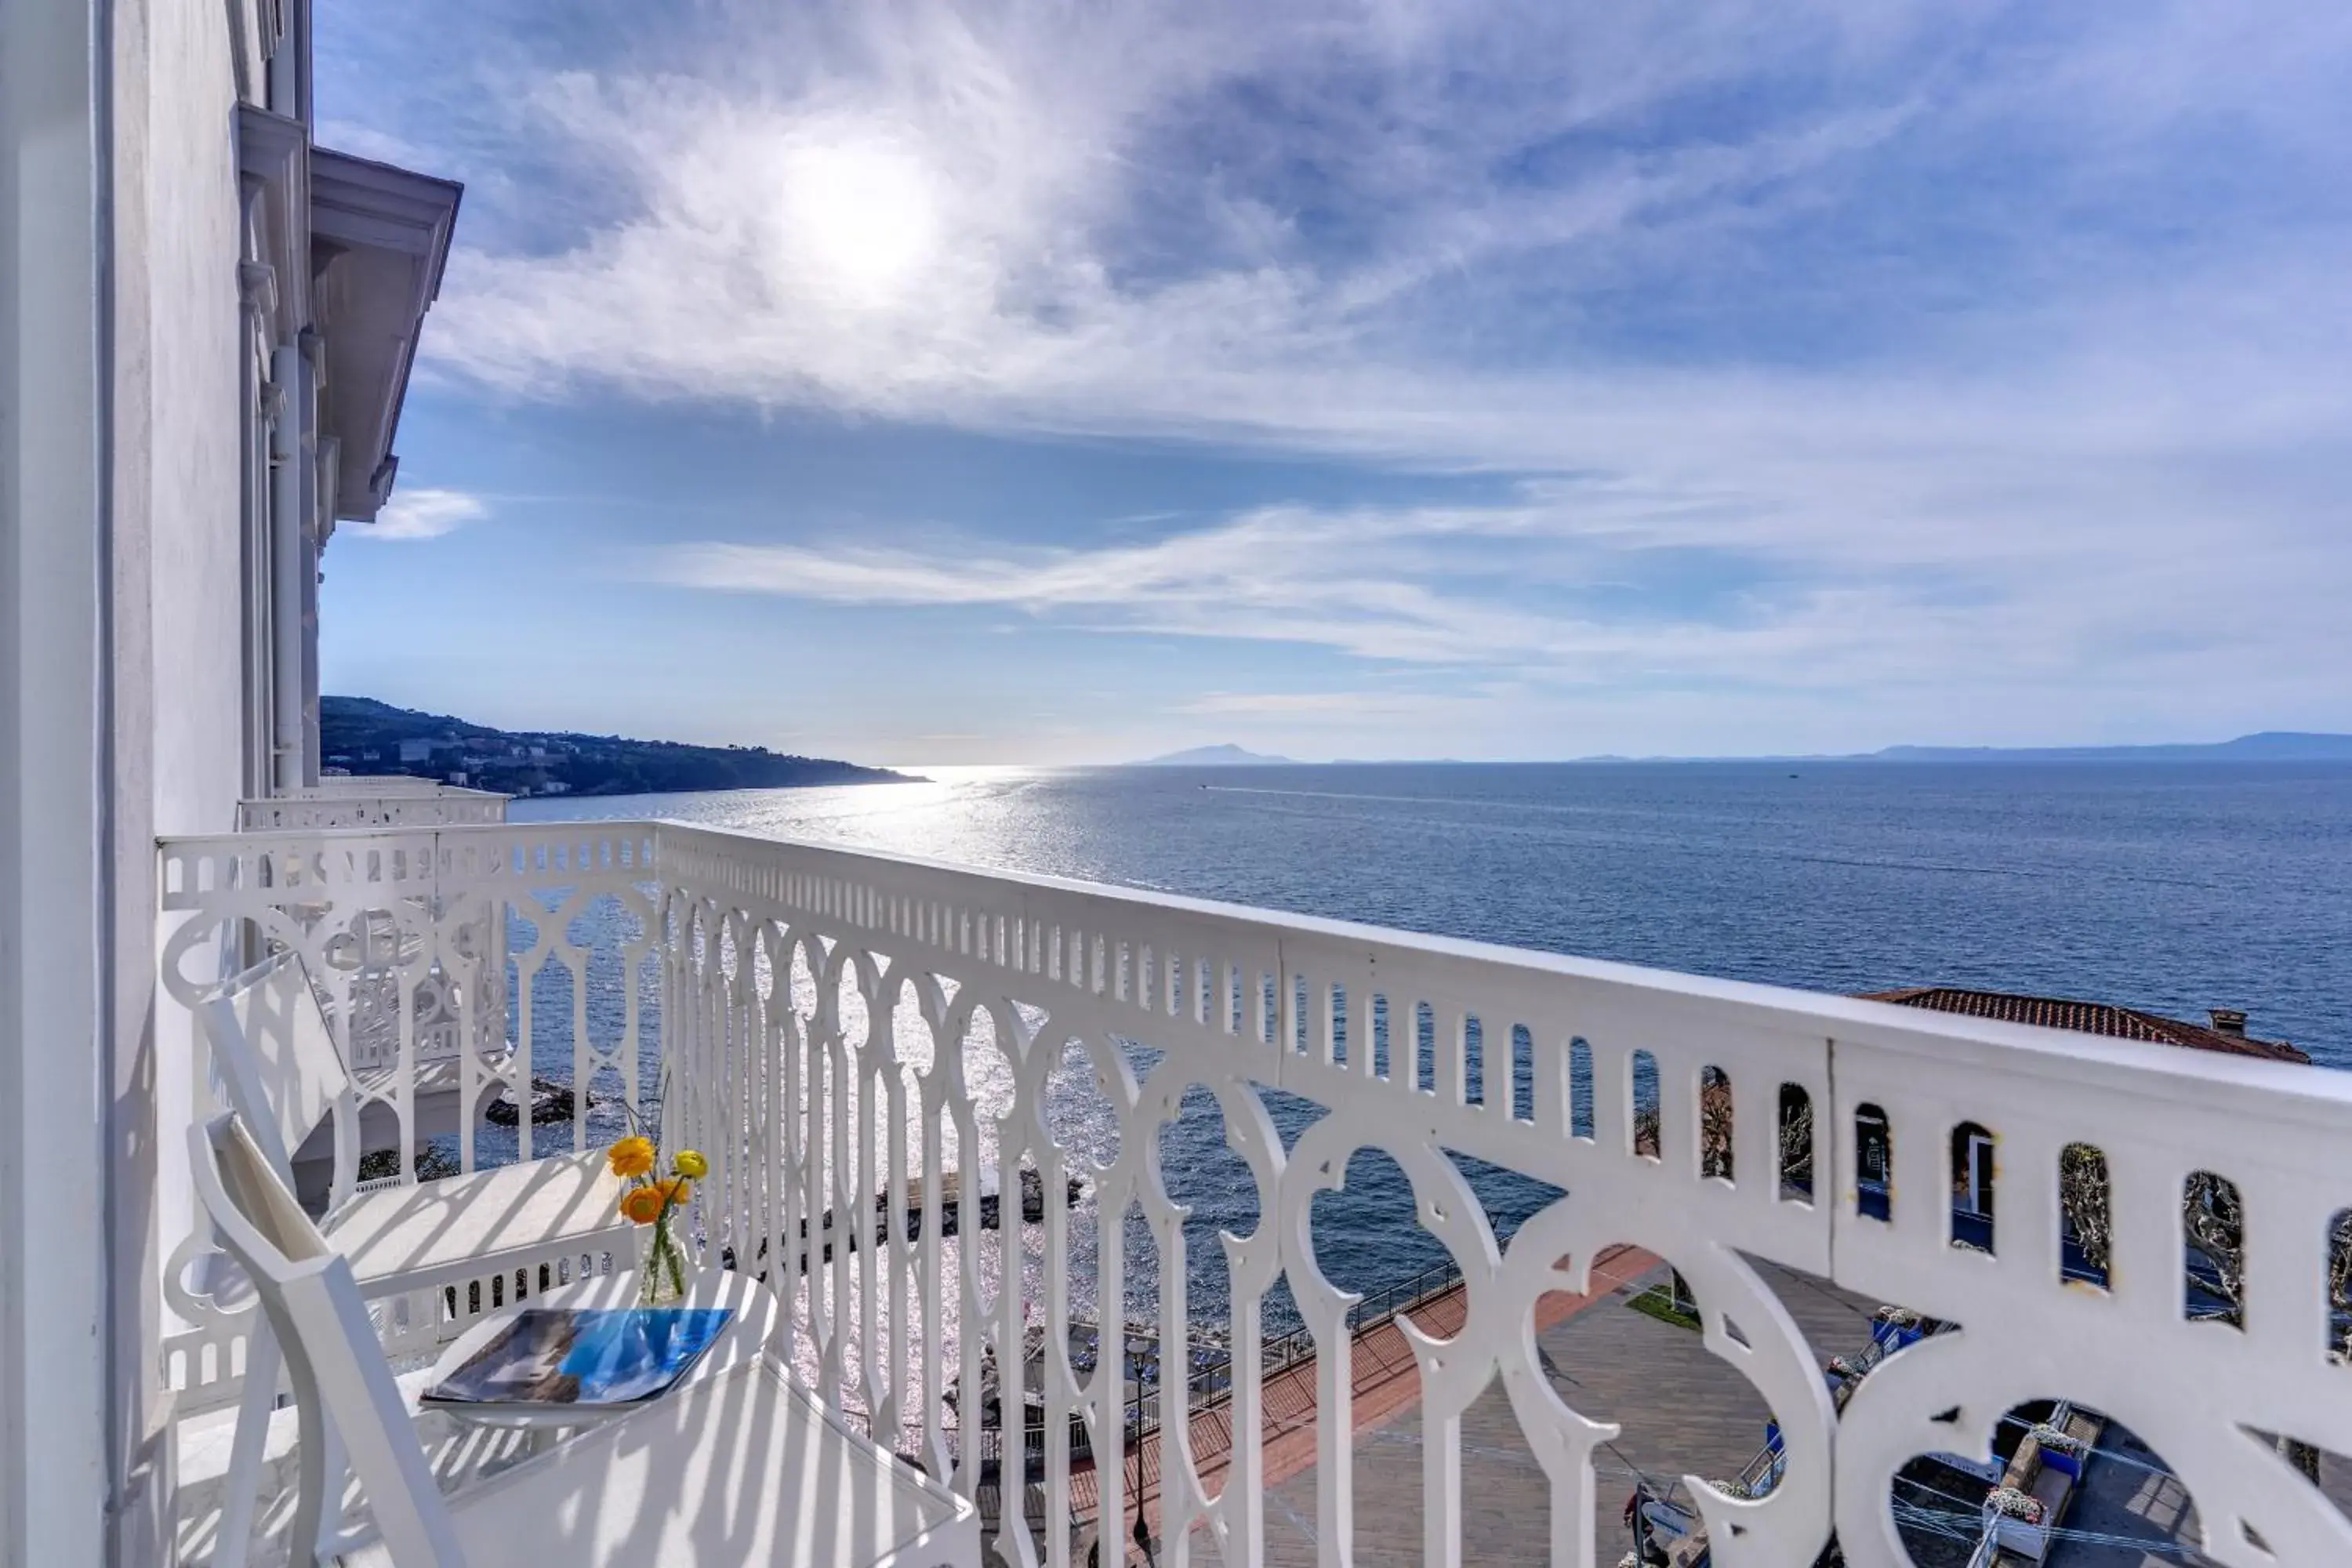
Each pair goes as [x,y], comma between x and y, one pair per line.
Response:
[273,162]
[379,239]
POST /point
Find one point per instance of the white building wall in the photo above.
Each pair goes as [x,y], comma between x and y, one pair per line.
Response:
[191,497]
[55,1394]
[194,501]
[177,689]
[127,710]
[127,619]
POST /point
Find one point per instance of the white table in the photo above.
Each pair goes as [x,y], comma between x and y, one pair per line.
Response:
[736,1463]
[745,1338]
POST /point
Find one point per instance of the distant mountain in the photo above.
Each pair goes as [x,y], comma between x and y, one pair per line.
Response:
[2270,746]
[362,735]
[1225,756]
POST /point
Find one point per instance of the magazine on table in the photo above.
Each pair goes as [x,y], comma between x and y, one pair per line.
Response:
[599,1356]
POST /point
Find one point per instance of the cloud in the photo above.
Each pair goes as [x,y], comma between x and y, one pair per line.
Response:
[1959,355]
[996,217]
[1587,584]
[423,514]
[1276,575]
[1460,238]
[1901,283]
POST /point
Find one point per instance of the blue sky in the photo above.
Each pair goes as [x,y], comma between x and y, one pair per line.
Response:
[1061,382]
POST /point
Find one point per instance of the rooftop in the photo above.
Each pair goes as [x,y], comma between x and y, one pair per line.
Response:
[2095,1018]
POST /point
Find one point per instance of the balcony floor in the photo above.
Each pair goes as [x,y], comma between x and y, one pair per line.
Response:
[461,1455]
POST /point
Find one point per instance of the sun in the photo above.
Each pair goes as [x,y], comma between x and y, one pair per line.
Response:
[863,217]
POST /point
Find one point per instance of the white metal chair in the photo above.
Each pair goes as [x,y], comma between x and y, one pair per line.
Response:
[745,1467]
[275,1057]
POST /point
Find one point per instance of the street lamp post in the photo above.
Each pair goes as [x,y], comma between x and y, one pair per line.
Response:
[1135,1364]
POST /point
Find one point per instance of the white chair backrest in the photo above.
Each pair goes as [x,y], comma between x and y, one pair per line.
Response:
[276,1055]
[343,1391]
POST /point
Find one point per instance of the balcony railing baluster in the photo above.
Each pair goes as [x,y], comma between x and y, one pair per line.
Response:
[784,992]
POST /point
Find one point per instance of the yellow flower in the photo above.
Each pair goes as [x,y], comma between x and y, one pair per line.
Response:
[691,1163]
[677,1191]
[632,1157]
[641,1206]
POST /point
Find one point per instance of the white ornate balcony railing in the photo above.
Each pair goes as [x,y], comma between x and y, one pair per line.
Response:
[375,800]
[843,1029]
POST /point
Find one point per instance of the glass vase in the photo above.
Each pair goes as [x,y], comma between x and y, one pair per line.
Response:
[661,1271]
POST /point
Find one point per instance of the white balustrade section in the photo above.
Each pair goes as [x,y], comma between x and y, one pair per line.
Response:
[375,800]
[841,1031]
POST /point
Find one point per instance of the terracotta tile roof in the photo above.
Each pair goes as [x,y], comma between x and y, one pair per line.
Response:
[2087,1017]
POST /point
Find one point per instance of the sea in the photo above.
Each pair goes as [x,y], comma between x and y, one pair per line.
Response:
[2173,886]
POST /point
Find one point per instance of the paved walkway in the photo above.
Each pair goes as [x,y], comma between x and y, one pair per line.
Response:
[1682,1410]
[1386,1383]
[2123,1495]
[2146,1518]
